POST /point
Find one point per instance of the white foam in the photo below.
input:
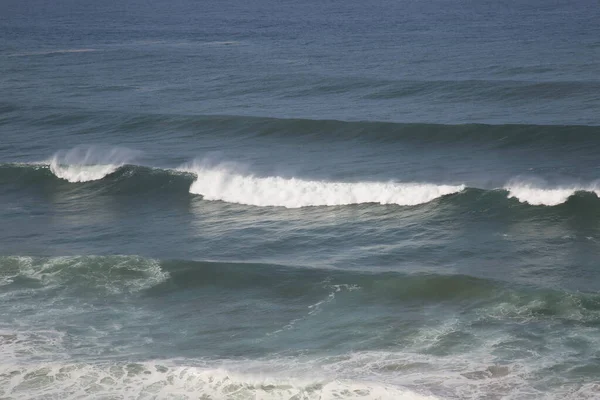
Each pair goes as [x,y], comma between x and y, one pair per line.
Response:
[220,183]
[547,196]
[89,163]
[164,381]
[37,365]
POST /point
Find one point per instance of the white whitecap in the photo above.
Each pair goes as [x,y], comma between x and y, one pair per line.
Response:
[538,195]
[220,183]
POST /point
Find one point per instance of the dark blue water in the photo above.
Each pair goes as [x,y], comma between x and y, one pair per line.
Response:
[299,200]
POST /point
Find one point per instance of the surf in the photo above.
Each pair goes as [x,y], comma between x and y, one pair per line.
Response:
[151,380]
[538,195]
[275,191]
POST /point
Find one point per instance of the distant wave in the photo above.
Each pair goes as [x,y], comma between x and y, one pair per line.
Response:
[540,138]
[221,184]
[56,51]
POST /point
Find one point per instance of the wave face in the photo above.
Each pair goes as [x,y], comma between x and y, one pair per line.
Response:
[222,184]
[89,163]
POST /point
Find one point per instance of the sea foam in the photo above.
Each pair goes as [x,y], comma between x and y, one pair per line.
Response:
[220,183]
[163,381]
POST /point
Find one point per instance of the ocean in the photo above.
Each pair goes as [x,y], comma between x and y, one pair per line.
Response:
[394,199]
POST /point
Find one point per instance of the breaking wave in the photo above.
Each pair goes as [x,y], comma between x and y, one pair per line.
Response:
[84,164]
[111,170]
[546,196]
[222,184]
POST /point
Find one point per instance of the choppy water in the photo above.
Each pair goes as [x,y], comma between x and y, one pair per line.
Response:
[299,200]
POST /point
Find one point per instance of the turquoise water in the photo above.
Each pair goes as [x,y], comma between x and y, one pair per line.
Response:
[299,200]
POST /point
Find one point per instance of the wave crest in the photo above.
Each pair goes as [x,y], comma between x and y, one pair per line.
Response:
[221,184]
[90,163]
[540,196]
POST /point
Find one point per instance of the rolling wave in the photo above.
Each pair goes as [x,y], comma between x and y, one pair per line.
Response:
[220,183]
[507,136]
[560,138]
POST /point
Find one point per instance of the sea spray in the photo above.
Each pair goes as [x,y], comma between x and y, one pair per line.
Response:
[90,163]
